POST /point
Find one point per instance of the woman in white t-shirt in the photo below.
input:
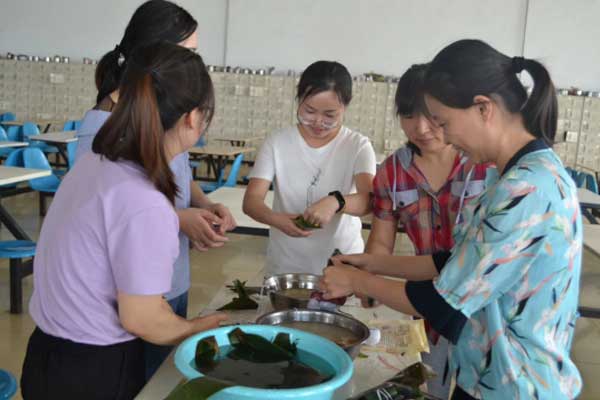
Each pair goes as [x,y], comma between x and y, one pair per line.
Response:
[314,167]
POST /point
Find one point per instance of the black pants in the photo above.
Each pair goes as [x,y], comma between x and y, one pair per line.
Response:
[56,368]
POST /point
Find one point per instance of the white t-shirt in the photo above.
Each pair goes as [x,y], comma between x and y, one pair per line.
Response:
[292,165]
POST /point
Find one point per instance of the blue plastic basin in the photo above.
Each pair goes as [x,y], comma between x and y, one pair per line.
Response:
[337,360]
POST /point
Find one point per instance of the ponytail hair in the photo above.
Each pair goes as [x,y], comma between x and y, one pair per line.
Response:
[161,83]
[108,74]
[153,21]
[468,68]
[540,112]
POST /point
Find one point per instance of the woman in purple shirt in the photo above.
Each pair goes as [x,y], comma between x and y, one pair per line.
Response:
[157,20]
[108,244]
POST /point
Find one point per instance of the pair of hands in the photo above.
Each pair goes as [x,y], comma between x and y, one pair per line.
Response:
[344,276]
[206,227]
[319,213]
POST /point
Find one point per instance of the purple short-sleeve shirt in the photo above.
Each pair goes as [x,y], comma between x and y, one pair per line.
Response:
[108,230]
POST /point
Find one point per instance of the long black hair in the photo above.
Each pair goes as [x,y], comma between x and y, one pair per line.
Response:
[161,83]
[322,76]
[155,20]
[468,68]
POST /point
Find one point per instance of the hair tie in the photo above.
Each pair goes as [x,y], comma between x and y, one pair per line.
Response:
[517,65]
[153,71]
[121,58]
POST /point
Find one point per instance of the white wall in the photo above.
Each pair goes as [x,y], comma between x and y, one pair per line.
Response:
[377,35]
[383,36]
[89,28]
[565,35]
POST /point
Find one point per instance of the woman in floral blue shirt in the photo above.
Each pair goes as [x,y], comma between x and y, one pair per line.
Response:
[506,295]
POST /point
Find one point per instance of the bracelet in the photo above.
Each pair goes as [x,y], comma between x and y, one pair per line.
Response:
[340,199]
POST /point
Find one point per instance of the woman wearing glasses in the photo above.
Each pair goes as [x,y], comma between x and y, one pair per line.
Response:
[313,166]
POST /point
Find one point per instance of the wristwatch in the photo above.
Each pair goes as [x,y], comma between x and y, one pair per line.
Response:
[340,199]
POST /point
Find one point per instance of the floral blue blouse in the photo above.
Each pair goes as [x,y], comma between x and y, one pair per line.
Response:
[513,277]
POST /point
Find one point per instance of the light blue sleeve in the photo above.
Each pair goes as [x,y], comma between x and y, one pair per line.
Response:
[90,125]
[510,231]
[84,144]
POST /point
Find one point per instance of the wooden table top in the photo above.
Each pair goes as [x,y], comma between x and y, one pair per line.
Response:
[214,150]
[10,175]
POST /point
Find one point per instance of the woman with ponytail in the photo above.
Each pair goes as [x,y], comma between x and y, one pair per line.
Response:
[108,244]
[506,295]
[160,20]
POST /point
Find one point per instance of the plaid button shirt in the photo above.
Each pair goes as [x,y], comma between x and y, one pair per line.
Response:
[427,217]
[402,193]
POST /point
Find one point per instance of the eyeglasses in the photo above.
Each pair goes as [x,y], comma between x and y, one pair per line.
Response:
[309,119]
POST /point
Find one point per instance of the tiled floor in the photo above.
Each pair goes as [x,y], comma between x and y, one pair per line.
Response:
[241,258]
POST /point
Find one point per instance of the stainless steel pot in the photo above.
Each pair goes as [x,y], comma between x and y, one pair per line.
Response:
[275,284]
[358,329]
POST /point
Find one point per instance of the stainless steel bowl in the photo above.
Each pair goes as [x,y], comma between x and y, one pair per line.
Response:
[276,283]
[360,330]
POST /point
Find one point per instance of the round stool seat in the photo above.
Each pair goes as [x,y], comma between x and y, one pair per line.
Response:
[8,385]
[17,249]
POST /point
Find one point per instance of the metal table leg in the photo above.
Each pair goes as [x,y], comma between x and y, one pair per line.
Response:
[7,220]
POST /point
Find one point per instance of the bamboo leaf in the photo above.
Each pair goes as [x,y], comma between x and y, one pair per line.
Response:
[256,348]
[207,350]
[198,389]
[304,224]
[243,301]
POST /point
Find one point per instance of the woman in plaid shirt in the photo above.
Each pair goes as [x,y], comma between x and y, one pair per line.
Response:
[422,187]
